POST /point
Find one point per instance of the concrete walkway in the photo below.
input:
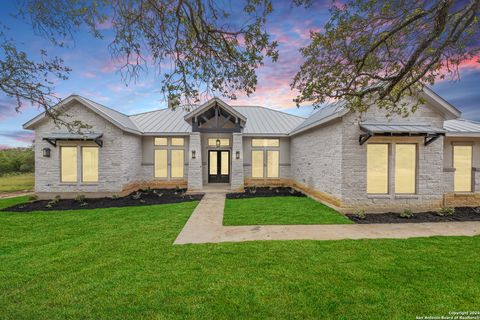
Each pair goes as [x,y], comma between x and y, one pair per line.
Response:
[206,226]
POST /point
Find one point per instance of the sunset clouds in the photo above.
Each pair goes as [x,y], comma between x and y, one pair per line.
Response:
[95,75]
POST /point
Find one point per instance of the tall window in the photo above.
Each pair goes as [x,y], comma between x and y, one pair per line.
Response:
[462,162]
[68,159]
[377,168]
[161,163]
[405,168]
[177,163]
[257,164]
[90,164]
[273,163]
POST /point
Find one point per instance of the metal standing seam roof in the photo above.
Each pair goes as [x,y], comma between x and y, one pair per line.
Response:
[461,127]
[328,112]
[372,127]
[260,120]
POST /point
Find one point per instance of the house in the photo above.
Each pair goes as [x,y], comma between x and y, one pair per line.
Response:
[350,161]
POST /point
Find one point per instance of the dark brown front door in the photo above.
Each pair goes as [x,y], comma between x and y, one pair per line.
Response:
[218,166]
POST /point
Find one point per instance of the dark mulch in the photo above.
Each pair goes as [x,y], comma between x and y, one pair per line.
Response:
[461,214]
[266,192]
[138,198]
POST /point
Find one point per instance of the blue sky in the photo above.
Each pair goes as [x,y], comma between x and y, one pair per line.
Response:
[96,76]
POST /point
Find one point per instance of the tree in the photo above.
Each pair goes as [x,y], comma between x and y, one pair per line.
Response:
[192,43]
[381,52]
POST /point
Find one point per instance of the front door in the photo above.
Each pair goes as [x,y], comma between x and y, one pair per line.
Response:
[218,166]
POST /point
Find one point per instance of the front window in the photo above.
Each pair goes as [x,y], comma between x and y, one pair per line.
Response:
[90,164]
[462,162]
[161,141]
[68,159]
[257,163]
[273,163]
[377,168]
[178,141]
[161,163]
[265,142]
[177,163]
[405,168]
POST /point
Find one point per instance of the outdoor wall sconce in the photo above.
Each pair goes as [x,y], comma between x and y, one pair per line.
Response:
[237,155]
[217,143]
[46,152]
[194,154]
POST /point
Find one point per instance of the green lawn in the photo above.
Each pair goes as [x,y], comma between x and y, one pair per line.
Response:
[17,182]
[120,263]
[279,210]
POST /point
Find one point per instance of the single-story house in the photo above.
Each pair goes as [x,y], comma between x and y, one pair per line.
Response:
[348,160]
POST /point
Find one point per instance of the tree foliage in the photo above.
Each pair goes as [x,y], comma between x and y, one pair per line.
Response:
[380,52]
[16,160]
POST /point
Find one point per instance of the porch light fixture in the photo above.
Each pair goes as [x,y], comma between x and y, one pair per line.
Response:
[194,154]
[217,143]
[46,152]
[237,155]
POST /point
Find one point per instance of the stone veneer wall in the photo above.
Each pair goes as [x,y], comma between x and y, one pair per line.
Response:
[430,173]
[195,177]
[316,158]
[111,157]
[237,175]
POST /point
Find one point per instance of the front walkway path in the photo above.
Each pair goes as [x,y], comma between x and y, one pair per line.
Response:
[206,225]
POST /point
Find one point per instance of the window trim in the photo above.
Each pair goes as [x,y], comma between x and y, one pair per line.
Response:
[395,167]
[61,164]
[82,164]
[389,168]
[463,144]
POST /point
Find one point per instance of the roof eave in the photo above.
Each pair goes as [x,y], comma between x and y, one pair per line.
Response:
[448,110]
[323,121]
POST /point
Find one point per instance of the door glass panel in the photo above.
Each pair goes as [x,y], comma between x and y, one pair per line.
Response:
[462,162]
[177,163]
[90,164]
[257,164]
[212,170]
[377,168]
[68,164]
[272,163]
[224,163]
[405,167]
[160,163]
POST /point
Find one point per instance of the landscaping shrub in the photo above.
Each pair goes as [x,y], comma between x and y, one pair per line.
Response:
[407,214]
[446,211]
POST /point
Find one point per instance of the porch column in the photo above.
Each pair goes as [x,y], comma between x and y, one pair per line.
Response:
[237,164]
[195,179]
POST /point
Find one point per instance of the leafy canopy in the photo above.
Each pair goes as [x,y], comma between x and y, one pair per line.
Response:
[381,52]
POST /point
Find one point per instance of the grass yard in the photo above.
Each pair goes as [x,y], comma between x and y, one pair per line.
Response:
[279,210]
[120,263]
[17,182]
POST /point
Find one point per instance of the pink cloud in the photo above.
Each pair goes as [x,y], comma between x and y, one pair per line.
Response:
[19,135]
[472,63]
[88,74]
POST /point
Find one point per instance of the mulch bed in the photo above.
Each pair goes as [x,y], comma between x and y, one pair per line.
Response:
[461,214]
[266,192]
[138,198]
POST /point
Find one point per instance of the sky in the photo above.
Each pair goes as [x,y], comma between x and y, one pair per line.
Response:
[95,75]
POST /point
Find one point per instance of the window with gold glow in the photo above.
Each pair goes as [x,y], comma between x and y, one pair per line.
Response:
[257,164]
[177,163]
[462,162]
[68,159]
[273,163]
[161,141]
[405,168]
[161,163]
[90,164]
[265,142]
[178,141]
[377,168]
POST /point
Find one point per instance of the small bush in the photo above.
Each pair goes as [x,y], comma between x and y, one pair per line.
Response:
[81,200]
[33,198]
[137,195]
[446,211]
[360,214]
[115,196]
[407,214]
[53,202]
